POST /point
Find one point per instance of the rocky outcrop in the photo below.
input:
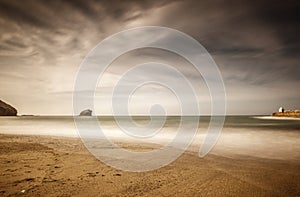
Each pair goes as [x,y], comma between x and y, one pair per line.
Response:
[7,110]
[288,113]
[86,112]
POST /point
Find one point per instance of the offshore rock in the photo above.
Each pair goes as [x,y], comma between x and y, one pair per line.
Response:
[86,112]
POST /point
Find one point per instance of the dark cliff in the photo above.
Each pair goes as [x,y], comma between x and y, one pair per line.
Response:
[7,110]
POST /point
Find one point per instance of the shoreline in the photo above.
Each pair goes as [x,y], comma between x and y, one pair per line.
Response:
[275,118]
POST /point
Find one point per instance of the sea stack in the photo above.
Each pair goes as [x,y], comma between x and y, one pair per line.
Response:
[7,110]
[86,112]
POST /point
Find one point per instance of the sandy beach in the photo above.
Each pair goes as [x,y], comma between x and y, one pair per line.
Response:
[60,166]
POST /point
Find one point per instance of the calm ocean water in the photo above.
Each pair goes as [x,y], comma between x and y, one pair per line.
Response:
[65,126]
[244,135]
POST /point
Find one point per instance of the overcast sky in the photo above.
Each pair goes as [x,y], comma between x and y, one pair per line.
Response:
[254,43]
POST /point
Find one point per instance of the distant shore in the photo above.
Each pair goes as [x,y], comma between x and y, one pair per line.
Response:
[289,113]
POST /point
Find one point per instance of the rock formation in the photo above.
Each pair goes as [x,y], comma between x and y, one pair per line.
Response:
[7,110]
[86,112]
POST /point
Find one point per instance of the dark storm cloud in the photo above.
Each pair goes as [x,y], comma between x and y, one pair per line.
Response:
[227,21]
[47,14]
[282,17]
[228,18]
[252,41]
[232,21]
[19,13]
[48,22]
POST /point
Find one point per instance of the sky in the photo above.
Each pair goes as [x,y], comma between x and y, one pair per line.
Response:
[255,45]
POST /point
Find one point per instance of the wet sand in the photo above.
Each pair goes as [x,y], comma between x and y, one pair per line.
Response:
[58,166]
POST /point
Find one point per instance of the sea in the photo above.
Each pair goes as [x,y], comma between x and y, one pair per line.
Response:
[248,135]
